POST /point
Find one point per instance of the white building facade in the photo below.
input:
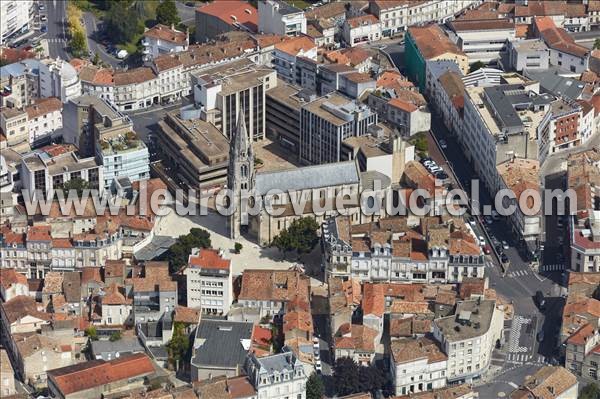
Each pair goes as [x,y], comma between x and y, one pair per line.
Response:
[209,282]
[280,18]
[15,16]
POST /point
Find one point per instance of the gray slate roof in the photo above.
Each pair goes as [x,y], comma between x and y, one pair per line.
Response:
[278,362]
[552,83]
[309,177]
[108,349]
[218,343]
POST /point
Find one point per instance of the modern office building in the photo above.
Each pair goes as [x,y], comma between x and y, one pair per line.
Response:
[209,282]
[15,17]
[223,90]
[326,122]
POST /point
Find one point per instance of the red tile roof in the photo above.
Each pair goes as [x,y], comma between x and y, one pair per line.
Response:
[296,45]
[39,233]
[232,12]
[402,105]
[432,42]
[558,38]
[94,373]
[8,277]
[581,336]
[163,32]
[373,299]
[357,22]
[209,259]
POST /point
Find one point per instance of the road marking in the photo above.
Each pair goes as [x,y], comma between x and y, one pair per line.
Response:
[512,384]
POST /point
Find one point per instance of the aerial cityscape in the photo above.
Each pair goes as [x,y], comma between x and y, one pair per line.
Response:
[300,199]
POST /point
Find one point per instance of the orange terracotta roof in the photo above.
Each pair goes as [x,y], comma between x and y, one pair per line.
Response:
[402,105]
[297,320]
[432,42]
[296,45]
[61,243]
[12,238]
[12,55]
[209,259]
[133,76]
[165,62]
[581,336]
[96,75]
[9,277]
[163,32]
[78,63]
[373,299]
[558,38]
[94,373]
[115,296]
[232,12]
[409,350]
[38,233]
[361,338]
[362,20]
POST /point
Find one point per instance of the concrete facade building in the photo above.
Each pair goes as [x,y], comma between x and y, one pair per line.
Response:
[16,16]
[362,29]
[326,122]
[209,282]
[468,338]
[44,117]
[417,365]
[280,18]
[528,54]
[484,41]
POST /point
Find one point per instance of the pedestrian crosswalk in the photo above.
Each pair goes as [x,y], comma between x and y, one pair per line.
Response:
[519,273]
[515,333]
[552,267]
[524,358]
[56,40]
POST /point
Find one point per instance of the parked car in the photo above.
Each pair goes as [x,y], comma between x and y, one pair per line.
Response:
[540,336]
[487,249]
[435,169]
[443,144]
[539,300]
[505,245]
[318,367]
[41,7]
[44,29]
[43,18]
[441,175]
[495,215]
[472,221]
[504,259]
[481,240]
[425,159]
[488,219]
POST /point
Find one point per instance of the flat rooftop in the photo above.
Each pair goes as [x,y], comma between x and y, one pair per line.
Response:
[472,319]
[286,94]
[235,76]
[199,142]
[333,107]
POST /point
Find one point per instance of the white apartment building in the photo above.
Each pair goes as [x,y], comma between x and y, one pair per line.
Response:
[44,117]
[280,18]
[15,125]
[15,16]
[161,39]
[363,29]
[46,171]
[8,198]
[494,130]
[484,41]
[123,156]
[528,54]
[407,117]
[279,376]
[417,365]
[58,78]
[396,16]
[564,51]
[285,54]
[468,338]
[63,255]
[209,282]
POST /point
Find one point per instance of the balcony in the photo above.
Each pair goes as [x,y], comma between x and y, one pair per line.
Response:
[145,43]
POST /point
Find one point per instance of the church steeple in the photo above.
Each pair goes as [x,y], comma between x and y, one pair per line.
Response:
[240,174]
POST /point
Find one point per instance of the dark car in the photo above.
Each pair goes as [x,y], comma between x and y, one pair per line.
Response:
[539,300]
[44,29]
[540,336]
[504,258]
[441,175]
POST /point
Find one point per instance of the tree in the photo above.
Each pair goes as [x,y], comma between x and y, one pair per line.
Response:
[314,387]
[591,391]
[181,250]
[301,236]
[91,333]
[115,336]
[597,44]
[237,247]
[77,184]
[476,65]
[346,376]
[371,379]
[78,43]
[96,59]
[122,24]
[178,345]
[166,13]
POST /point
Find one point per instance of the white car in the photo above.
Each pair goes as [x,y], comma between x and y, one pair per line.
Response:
[481,240]
[505,245]
[435,169]
[43,18]
[318,366]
